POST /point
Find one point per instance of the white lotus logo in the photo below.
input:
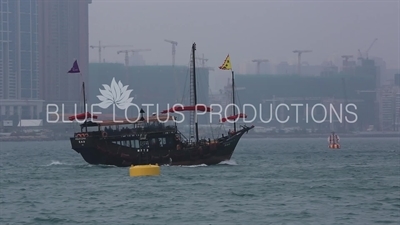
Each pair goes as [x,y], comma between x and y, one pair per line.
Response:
[116,94]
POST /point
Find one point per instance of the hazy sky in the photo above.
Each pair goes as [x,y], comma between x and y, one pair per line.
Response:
[246,29]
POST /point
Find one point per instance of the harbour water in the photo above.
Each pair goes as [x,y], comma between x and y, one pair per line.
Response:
[268,181]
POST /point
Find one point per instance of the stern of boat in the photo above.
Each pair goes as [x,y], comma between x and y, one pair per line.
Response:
[82,141]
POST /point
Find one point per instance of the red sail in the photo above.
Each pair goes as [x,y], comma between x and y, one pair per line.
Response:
[241,115]
[82,116]
[188,108]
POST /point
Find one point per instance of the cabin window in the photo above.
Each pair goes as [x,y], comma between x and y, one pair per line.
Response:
[144,144]
[154,142]
[170,141]
[158,142]
[162,142]
[135,143]
[125,143]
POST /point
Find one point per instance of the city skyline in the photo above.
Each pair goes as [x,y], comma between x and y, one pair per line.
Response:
[41,39]
[63,37]
[19,72]
[18,38]
[328,37]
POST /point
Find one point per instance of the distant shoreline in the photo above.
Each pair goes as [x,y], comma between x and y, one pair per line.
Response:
[374,135]
[26,139]
[248,136]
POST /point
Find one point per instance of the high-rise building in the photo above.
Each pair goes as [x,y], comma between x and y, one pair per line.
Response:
[63,37]
[397,79]
[284,68]
[329,69]
[397,102]
[397,109]
[19,59]
[348,67]
[136,60]
[388,107]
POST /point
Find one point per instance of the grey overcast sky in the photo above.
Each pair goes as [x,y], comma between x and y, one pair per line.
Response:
[246,29]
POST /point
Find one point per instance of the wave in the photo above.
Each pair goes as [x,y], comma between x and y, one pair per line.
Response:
[192,166]
[56,162]
[230,162]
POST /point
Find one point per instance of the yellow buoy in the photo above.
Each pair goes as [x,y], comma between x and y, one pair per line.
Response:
[144,170]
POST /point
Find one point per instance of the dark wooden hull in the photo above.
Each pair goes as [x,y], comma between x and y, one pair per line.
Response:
[103,151]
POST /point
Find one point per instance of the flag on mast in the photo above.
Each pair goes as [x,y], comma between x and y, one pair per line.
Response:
[75,68]
[227,64]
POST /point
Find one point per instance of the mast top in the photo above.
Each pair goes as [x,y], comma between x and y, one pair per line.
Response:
[194,46]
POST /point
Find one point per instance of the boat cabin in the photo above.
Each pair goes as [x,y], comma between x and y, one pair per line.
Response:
[121,127]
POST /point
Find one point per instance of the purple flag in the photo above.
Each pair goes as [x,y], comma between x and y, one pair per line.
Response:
[75,68]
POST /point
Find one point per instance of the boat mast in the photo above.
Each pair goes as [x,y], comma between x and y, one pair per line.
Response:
[194,91]
[84,105]
[233,100]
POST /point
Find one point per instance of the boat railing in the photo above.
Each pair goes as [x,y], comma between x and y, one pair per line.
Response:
[183,137]
[139,130]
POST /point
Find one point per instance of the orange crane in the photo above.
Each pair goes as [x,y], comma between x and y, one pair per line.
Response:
[259,61]
[133,51]
[106,46]
[299,52]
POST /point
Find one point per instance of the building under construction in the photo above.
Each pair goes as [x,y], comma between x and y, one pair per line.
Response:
[170,84]
[276,89]
[160,85]
[397,102]
[354,84]
[397,110]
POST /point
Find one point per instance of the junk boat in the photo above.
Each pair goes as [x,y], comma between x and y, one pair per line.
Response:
[149,141]
[333,141]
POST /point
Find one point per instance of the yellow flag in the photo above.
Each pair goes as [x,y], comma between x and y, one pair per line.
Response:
[227,64]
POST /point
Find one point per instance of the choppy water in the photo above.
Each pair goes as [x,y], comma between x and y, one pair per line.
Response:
[269,181]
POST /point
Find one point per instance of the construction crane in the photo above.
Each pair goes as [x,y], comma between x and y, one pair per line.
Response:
[133,51]
[259,61]
[366,53]
[174,44]
[106,46]
[373,42]
[203,61]
[346,60]
[347,57]
[299,52]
